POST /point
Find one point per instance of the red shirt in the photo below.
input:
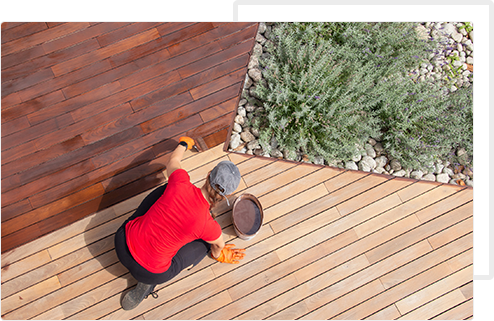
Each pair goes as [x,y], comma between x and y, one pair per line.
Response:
[181,215]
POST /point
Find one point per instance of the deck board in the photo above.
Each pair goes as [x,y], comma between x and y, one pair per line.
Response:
[335,243]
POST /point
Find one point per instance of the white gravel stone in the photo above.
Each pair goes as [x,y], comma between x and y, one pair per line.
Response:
[262,27]
[395,165]
[438,169]
[255,74]
[378,148]
[260,39]
[241,111]
[357,158]
[235,141]
[448,171]
[237,128]
[400,173]
[351,165]
[416,174]
[254,62]
[250,108]
[275,152]
[257,51]
[381,161]
[457,36]
[370,151]
[319,160]
[239,120]
[443,178]
[429,177]
[247,136]
[368,161]
[248,82]
[254,144]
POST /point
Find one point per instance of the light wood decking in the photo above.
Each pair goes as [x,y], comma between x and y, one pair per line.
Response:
[335,244]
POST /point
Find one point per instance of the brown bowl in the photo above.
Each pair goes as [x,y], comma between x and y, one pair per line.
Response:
[247,216]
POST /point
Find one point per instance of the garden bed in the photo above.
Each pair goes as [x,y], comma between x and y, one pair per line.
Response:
[349,104]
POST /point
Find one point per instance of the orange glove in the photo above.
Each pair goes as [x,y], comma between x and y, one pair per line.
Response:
[189,141]
[230,255]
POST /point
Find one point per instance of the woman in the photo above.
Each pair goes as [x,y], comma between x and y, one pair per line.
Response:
[172,229]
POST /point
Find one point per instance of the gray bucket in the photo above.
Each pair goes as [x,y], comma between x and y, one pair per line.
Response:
[247,216]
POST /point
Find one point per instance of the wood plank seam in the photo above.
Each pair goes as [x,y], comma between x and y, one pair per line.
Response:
[57,272]
[415,229]
[127,155]
[409,278]
[225,41]
[412,276]
[333,205]
[414,212]
[62,242]
[151,147]
[343,280]
[375,262]
[442,295]
[438,316]
[454,223]
[65,299]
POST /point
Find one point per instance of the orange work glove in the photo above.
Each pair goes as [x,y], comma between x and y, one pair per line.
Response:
[189,141]
[230,255]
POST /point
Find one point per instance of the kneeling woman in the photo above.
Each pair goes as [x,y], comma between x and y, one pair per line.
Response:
[172,229]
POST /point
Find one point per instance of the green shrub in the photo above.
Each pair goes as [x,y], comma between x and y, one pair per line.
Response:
[420,124]
[314,101]
[329,86]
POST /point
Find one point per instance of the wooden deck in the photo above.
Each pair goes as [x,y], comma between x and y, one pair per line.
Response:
[91,111]
[335,244]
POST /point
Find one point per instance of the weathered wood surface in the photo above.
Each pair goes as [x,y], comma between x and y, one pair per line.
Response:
[335,244]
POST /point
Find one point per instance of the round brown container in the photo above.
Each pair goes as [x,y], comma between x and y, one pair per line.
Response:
[247,216]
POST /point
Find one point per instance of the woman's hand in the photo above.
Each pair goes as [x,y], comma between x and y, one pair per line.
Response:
[189,141]
[229,255]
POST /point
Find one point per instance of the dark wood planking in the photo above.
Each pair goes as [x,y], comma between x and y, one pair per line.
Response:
[96,139]
[22,30]
[42,37]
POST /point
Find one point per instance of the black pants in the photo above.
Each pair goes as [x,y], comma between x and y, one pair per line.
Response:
[190,254]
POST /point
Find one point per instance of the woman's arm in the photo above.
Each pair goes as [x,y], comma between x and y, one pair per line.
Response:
[216,246]
[177,154]
[175,159]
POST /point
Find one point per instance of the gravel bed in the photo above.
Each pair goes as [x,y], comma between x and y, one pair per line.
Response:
[456,45]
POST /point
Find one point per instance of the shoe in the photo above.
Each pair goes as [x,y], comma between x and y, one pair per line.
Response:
[132,299]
